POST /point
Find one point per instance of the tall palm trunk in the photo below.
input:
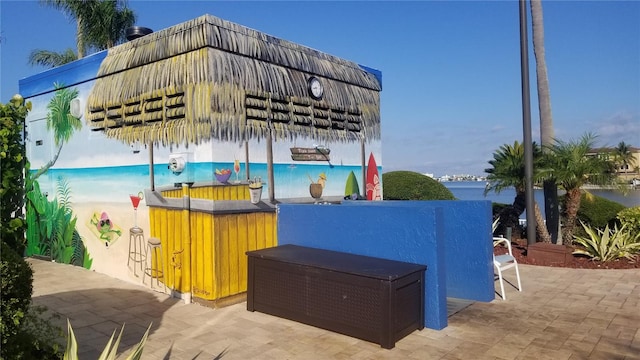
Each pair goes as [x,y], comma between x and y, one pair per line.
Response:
[544,97]
[80,36]
[546,120]
[571,206]
[541,230]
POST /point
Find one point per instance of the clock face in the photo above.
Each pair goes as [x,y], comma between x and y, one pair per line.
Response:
[316,90]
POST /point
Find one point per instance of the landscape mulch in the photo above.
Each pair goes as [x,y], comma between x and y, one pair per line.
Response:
[519,247]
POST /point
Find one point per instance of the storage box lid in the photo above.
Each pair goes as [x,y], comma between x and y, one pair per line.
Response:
[361,265]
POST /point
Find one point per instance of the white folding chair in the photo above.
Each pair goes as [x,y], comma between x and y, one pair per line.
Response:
[504,262]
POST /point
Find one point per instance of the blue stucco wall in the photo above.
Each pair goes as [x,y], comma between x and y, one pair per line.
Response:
[453,238]
[467,245]
[69,75]
[405,234]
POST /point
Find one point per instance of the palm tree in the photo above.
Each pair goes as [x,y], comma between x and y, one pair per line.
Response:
[75,9]
[544,109]
[623,156]
[100,24]
[51,59]
[573,168]
[109,21]
[508,171]
[60,120]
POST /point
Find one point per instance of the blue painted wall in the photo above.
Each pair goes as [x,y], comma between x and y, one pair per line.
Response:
[467,245]
[70,75]
[458,262]
[406,234]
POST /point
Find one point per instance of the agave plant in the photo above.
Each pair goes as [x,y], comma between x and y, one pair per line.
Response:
[607,245]
[109,352]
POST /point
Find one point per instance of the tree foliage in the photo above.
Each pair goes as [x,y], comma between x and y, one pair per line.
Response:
[574,167]
[12,164]
[16,278]
[51,59]
[100,24]
[409,185]
[508,171]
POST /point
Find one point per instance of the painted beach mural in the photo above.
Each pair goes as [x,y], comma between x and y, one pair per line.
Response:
[171,136]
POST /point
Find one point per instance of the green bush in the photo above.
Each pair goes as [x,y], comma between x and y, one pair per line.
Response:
[16,278]
[597,211]
[12,164]
[25,333]
[630,217]
[409,185]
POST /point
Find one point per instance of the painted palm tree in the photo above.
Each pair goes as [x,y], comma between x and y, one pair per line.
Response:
[508,171]
[544,110]
[572,169]
[60,121]
[100,24]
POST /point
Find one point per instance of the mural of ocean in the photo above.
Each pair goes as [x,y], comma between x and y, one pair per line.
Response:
[114,184]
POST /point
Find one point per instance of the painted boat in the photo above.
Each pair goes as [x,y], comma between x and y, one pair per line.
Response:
[319,153]
[311,150]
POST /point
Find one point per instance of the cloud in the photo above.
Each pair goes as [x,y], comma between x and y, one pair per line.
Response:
[621,126]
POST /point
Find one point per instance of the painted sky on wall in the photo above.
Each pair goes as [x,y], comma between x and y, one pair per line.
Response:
[451,70]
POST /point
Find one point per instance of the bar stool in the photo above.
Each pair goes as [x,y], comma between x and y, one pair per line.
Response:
[136,246]
[153,247]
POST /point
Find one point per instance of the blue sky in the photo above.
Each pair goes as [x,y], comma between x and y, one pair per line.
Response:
[451,70]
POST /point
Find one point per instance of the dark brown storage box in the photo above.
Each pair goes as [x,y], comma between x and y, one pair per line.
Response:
[373,299]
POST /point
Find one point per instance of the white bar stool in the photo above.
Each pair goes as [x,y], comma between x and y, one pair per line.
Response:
[136,248]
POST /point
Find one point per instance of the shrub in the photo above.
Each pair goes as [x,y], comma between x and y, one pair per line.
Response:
[607,245]
[409,185]
[12,164]
[630,217]
[16,278]
[597,211]
[25,334]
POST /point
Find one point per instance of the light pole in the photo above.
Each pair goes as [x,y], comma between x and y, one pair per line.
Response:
[526,125]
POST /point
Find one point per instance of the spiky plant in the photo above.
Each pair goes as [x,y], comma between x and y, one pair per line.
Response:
[608,245]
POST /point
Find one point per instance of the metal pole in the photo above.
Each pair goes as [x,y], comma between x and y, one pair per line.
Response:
[151,173]
[363,188]
[526,125]
[270,180]
[246,159]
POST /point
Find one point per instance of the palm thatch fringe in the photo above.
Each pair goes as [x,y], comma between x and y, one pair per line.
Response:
[179,89]
[210,31]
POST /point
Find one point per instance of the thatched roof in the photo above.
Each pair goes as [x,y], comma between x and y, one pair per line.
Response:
[210,78]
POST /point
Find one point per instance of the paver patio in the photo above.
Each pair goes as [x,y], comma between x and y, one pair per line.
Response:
[561,314]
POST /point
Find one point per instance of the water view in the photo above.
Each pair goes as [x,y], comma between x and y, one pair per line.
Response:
[474,190]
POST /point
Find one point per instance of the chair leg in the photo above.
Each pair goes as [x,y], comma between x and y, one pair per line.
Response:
[504,296]
[518,276]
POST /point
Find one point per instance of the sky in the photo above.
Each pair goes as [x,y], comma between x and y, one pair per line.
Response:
[451,76]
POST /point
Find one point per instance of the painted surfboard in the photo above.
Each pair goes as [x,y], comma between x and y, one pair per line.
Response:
[374,191]
[352,185]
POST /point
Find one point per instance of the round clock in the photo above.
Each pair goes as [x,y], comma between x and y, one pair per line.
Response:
[316,90]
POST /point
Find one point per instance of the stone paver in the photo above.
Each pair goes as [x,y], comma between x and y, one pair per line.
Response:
[561,314]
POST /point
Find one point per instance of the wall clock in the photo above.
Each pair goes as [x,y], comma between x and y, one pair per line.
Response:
[316,90]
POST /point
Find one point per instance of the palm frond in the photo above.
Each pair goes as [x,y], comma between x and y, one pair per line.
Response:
[51,59]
